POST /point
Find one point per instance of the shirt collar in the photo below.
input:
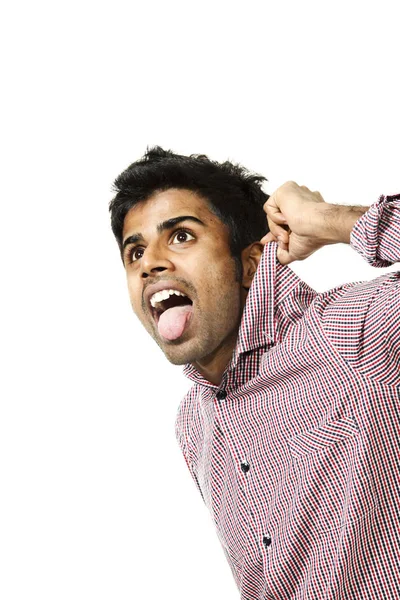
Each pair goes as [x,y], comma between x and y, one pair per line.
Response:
[271,284]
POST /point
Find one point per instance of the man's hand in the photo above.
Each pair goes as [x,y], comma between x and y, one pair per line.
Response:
[301,222]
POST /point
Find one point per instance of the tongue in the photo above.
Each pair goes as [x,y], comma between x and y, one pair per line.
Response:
[173,321]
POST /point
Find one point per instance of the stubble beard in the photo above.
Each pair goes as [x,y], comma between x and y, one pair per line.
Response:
[183,352]
[206,341]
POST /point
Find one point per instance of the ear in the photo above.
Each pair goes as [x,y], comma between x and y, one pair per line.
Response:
[250,259]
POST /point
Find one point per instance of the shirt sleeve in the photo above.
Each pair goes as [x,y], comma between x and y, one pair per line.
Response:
[376,235]
[362,320]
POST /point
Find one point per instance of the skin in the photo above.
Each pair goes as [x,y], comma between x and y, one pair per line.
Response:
[200,262]
[300,221]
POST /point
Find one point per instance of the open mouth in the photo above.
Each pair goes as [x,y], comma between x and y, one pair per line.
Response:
[170,299]
[171,310]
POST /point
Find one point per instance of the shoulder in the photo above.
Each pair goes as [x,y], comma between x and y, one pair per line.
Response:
[361,320]
[356,299]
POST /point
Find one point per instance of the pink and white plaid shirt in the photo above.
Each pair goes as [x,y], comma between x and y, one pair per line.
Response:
[296,454]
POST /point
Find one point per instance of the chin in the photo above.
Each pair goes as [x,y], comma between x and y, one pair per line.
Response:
[177,358]
[174,360]
[181,353]
[176,355]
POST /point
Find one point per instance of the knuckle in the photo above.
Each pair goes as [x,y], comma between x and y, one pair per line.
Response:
[267,205]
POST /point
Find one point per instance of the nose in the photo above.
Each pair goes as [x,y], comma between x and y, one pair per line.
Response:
[154,261]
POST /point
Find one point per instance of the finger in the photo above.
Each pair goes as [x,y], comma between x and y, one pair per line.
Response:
[274,213]
[283,246]
[284,256]
[271,201]
[278,231]
[269,237]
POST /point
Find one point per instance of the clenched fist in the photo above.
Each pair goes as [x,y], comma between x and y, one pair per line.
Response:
[301,222]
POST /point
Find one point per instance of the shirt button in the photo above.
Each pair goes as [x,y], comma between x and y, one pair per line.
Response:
[221,395]
[267,541]
[245,466]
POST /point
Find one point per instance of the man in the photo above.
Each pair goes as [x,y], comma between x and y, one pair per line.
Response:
[291,428]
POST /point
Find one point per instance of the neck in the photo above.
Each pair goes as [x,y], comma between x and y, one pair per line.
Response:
[212,367]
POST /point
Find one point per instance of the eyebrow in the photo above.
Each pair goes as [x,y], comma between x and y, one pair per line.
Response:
[164,226]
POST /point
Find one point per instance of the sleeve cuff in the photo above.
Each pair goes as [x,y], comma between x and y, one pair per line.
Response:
[365,235]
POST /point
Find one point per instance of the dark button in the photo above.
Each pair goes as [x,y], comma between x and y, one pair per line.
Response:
[221,395]
[245,466]
[267,541]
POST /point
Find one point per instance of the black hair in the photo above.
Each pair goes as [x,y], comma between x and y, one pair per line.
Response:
[232,192]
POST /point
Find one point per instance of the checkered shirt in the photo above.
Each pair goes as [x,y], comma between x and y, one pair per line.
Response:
[296,453]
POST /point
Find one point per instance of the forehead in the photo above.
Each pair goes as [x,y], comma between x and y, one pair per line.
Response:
[165,205]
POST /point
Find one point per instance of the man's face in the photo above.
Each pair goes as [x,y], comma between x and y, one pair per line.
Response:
[174,242]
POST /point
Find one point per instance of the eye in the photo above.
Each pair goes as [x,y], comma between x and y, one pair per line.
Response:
[182,236]
[135,254]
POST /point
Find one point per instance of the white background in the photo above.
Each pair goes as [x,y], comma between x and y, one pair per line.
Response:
[96,501]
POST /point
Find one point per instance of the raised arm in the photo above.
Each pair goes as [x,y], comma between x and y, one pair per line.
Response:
[301,222]
[362,320]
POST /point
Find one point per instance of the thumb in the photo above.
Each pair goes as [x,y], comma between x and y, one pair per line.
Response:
[284,256]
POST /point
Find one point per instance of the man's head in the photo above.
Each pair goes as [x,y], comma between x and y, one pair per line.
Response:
[210,255]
